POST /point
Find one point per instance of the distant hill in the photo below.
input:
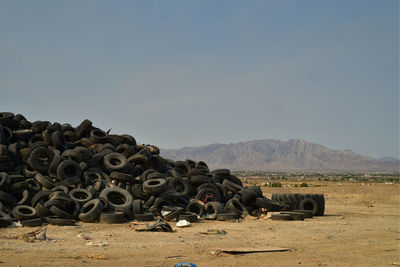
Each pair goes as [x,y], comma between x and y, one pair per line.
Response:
[388,159]
[277,155]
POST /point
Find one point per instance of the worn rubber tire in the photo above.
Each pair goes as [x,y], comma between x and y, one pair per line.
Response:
[212,209]
[188,216]
[68,169]
[24,212]
[146,216]
[112,217]
[228,216]
[196,206]
[115,161]
[91,210]
[155,186]
[80,195]
[281,217]
[117,198]
[308,204]
[137,206]
[32,222]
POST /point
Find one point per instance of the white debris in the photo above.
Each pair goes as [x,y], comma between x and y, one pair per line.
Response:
[183,223]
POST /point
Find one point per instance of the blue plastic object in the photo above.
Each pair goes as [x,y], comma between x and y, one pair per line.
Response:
[185,264]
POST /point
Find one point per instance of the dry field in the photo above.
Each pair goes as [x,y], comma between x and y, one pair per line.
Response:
[361,228]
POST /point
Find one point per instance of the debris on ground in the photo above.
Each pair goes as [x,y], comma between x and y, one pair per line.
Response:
[98,256]
[183,223]
[159,226]
[243,250]
[97,243]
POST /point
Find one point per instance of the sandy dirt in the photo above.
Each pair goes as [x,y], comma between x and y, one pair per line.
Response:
[360,228]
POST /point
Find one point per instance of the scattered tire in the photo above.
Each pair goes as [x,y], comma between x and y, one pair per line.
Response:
[188,216]
[281,217]
[32,222]
[147,216]
[112,217]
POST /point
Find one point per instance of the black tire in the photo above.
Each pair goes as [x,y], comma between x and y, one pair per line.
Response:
[235,180]
[222,172]
[115,161]
[228,216]
[155,186]
[159,202]
[58,140]
[68,169]
[199,179]
[137,191]
[55,202]
[180,185]
[32,222]
[231,186]
[117,198]
[112,217]
[41,196]
[60,188]
[138,159]
[212,209]
[149,202]
[248,197]
[60,213]
[281,217]
[7,199]
[309,204]
[59,221]
[80,195]
[196,206]
[256,189]
[173,214]
[98,136]
[36,159]
[5,222]
[137,206]
[209,194]
[83,129]
[188,216]
[268,204]
[321,204]
[296,216]
[44,181]
[235,206]
[91,210]
[24,212]
[147,216]
[119,176]
[4,181]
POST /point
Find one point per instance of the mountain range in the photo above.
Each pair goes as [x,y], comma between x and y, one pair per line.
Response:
[277,155]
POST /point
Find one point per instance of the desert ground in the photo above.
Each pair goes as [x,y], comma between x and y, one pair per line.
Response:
[360,228]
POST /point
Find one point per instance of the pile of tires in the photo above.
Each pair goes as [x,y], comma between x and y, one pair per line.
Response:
[56,173]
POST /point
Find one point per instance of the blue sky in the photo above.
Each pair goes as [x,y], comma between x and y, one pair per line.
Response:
[186,73]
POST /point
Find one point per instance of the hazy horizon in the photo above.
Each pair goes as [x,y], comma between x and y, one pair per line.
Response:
[185,73]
